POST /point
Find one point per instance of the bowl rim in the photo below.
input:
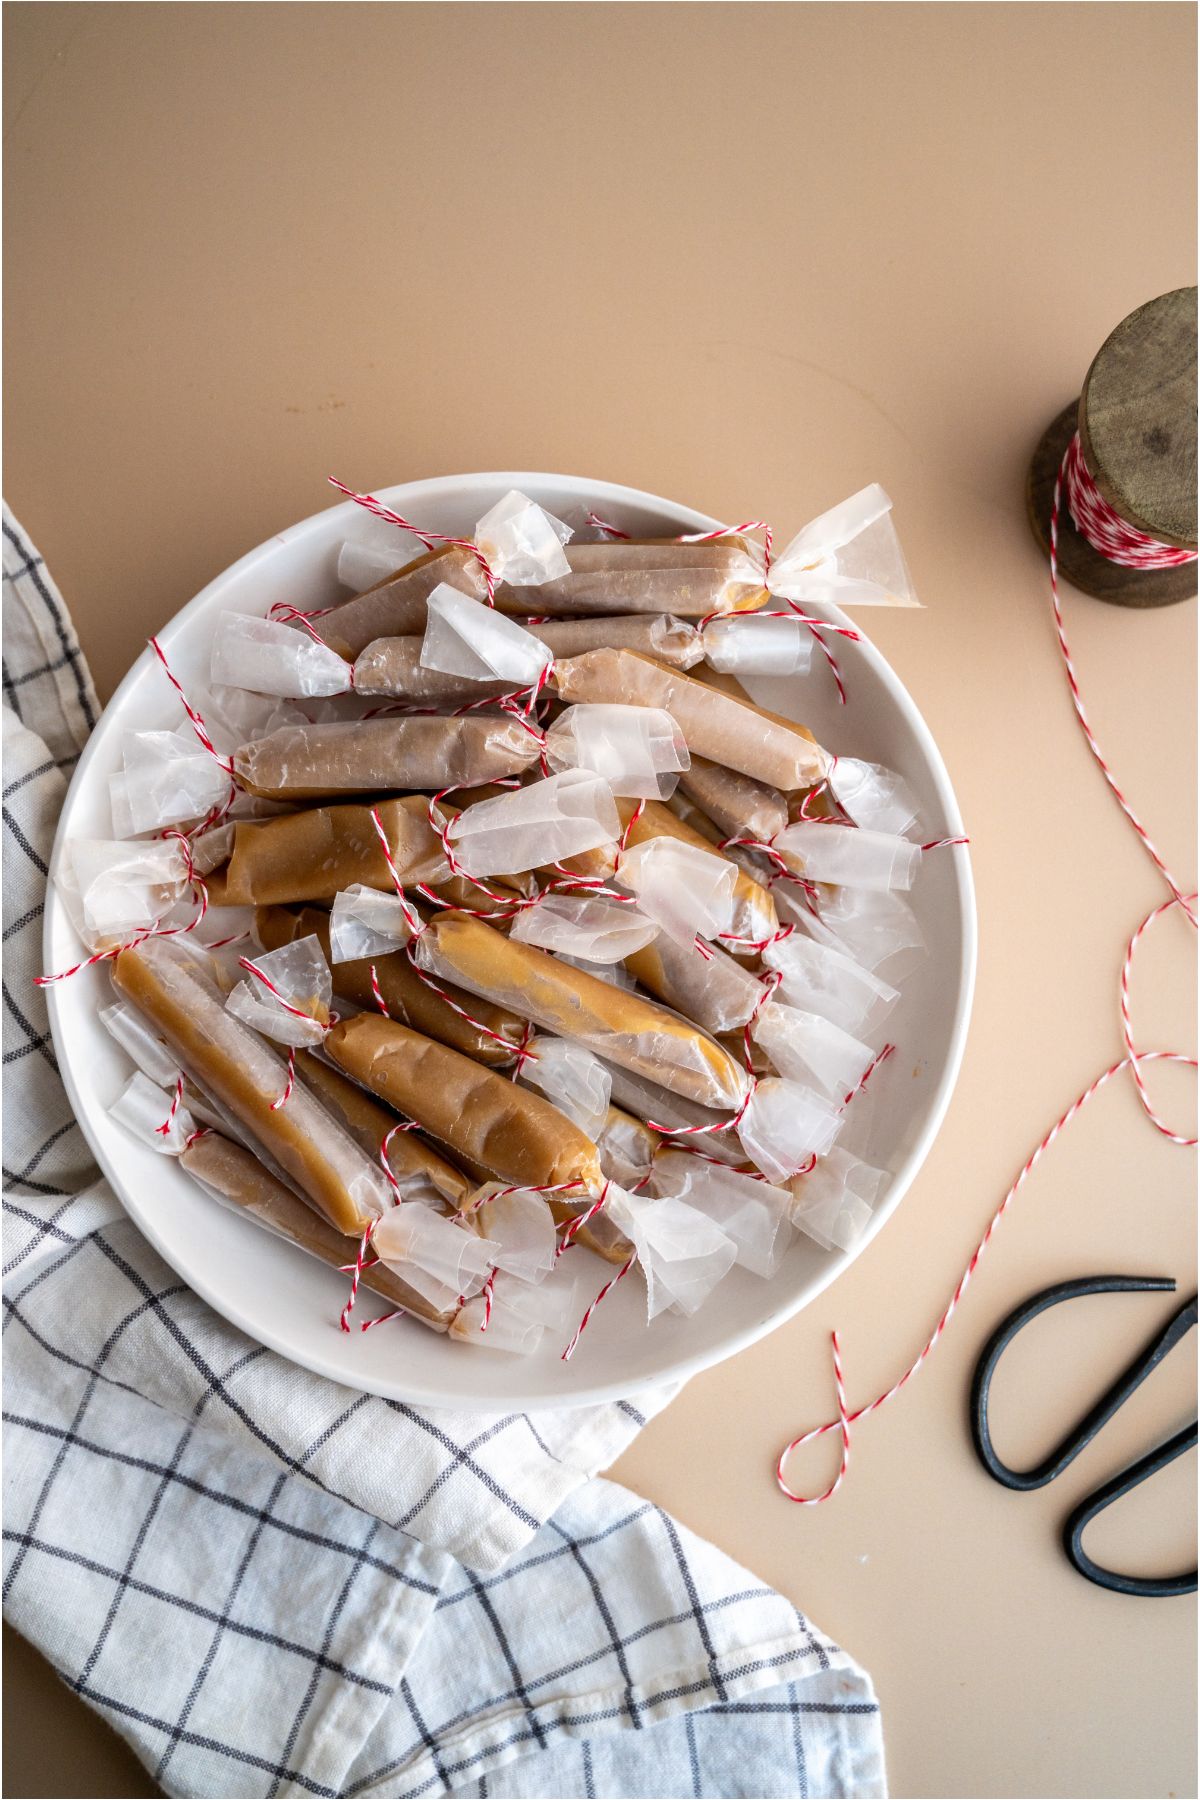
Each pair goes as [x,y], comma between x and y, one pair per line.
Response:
[402,495]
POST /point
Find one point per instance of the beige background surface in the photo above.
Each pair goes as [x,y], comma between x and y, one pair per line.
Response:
[751,257]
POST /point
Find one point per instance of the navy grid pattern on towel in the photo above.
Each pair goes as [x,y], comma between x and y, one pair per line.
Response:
[271,1584]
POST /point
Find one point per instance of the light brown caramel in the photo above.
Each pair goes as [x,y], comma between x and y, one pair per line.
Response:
[515,1134]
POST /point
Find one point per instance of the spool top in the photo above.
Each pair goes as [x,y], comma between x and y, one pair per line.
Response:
[1137,418]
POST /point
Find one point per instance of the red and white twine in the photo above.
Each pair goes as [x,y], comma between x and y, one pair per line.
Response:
[1120,543]
[1105,530]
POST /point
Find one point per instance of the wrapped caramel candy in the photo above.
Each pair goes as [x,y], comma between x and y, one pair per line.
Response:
[311,855]
[234,1175]
[737,805]
[621,1027]
[395,607]
[408,999]
[649,576]
[169,986]
[513,1133]
[362,756]
[728,731]
[717,992]
[392,666]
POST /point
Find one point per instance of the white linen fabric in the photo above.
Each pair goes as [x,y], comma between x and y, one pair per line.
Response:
[273,1585]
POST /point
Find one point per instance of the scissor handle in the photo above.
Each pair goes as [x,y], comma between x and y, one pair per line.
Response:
[1025,1480]
[1149,1587]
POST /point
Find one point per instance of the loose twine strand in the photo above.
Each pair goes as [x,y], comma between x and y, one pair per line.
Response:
[1120,545]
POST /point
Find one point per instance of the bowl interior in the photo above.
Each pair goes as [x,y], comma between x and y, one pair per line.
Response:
[290,1302]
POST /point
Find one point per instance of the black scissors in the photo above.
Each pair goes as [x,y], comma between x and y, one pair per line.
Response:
[1060,1458]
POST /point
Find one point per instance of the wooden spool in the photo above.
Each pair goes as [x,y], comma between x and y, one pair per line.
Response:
[1136,419]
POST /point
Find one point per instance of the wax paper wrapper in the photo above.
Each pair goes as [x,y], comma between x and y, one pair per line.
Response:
[571,1078]
[568,813]
[590,927]
[465,638]
[496,1327]
[807,1048]
[820,979]
[758,644]
[872,796]
[395,606]
[522,542]
[687,892]
[271,658]
[169,778]
[846,856]
[519,1315]
[374,551]
[834,1203]
[366,923]
[682,1254]
[878,930]
[752,1212]
[754,917]
[518,1230]
[113,890]
[849,556]
[639,750]
[410,1237]
[144,1109]
[784,1124]
[142,1045]
[300,976]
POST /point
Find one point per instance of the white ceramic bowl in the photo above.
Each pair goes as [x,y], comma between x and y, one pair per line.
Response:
[290,1302]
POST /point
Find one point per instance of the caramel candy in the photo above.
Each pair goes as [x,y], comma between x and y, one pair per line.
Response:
[508,1130]
[717,993]
[312,855]
[738,805]
[393,666]
[235,1175]
[654,575]
[408,999]
[230,1062]
[363,756]
[734,733]
[410,1158]
[623,1027]
[648,575]
[395,607]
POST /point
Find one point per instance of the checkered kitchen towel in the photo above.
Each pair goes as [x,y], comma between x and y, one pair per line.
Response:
[271,1584]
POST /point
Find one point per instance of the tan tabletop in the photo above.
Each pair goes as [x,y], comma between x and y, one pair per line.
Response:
[751,257]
